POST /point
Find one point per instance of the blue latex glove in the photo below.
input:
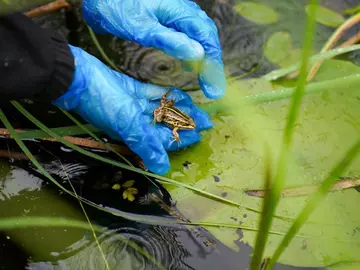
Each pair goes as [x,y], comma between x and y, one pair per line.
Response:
[123,108]
[177,27]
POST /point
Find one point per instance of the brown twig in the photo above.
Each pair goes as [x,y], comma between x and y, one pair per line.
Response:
[79,141]
[11,154]
[351,41]
[49,8]
[306,190]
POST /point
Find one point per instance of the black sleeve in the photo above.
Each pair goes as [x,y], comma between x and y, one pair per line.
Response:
[35,63]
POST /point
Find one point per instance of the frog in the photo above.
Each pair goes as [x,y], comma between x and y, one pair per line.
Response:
[172,117]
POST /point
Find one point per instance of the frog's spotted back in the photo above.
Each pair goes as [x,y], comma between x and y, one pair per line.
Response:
[173,117]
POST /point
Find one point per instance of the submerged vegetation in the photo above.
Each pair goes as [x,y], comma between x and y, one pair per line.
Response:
[293,126]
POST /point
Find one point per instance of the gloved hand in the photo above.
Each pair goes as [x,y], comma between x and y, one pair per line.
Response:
[123,108]
[179,28]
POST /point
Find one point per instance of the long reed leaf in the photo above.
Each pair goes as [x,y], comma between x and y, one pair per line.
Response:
[126,215]
[315,200]
[27,152]
[21,222]
[106,145]
[274,194]
[124,166]
[134,217]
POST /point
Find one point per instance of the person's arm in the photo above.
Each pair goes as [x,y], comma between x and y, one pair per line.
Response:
[35,63]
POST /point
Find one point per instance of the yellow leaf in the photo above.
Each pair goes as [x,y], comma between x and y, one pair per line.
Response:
[116,186]
[129,194]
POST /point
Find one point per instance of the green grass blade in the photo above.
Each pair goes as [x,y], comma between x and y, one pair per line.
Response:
[87,131]
[274,194]
[316,199]
[102,52]
[106,145]
[130,216]
[139,218]
[87,218]
[121,165]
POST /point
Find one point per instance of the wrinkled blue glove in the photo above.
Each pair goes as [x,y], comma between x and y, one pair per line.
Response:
[123,108]
[179,28]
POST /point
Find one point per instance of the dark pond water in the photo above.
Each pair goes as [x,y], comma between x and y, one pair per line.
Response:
[25,192]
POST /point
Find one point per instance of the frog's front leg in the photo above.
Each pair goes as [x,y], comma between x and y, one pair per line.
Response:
[158,114]
[176,135]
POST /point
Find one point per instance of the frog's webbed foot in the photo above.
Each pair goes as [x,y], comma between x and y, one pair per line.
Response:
[176,136]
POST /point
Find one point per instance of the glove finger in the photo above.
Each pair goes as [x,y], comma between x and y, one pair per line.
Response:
[153,92]
[187,138]
[142,138]
[173,43]
[212,78]
[198,26]
[201,118]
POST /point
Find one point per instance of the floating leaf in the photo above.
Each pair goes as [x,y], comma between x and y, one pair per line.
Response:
[279,49]
[327,16]
[129,194]
[116,186]
[233,151]
[257,13]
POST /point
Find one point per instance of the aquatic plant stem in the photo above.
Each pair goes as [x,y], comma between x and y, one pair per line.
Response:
[314,200]
[330,44]
[332,41]
[353,40]
[101,50]
[278,183]
[278,73]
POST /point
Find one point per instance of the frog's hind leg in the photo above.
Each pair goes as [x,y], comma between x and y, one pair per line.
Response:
[176,136]
[163,98]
